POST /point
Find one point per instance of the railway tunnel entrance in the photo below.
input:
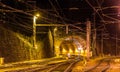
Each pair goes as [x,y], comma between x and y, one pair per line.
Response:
[72,45]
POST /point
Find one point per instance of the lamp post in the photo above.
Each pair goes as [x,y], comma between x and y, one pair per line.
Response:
[34,36]
[34,30]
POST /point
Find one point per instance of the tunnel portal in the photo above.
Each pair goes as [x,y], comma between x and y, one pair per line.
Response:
[72,45]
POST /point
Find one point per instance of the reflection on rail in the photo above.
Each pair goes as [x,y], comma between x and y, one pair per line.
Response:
[64,65]
[102,66]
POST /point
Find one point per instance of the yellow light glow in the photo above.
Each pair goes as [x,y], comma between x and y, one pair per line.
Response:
[70,51]
[55,29]
[37,15]
[36,47]
[82,51]
[64,51]
[76,51]
[57,52]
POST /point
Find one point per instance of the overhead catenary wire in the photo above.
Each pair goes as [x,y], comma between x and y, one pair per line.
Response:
[45,18]
[56,11]
[102,13]
[21,11]
[96,10]
[64,17]
[47,11]
[111,17]
[16,23]
[16,10]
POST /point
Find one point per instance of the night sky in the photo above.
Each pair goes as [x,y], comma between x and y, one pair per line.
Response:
[84,9]
[72,11]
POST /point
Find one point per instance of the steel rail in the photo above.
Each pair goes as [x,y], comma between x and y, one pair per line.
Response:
[102,66]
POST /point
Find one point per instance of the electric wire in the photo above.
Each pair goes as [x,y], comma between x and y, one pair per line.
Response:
[64,17]
[17,10]
[56,11]
[96,10]
[46,11]
[111,17]
[60,16]
[102,14]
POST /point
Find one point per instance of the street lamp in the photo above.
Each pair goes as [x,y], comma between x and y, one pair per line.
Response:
[34,30]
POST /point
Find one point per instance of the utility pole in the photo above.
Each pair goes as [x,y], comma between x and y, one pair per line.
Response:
[94,43]
[94,35]
[67,29]
[88,28]
[102,43]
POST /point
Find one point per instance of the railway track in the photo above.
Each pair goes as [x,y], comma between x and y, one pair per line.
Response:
[52,67]
[61,67]
[65,67]
[102,66]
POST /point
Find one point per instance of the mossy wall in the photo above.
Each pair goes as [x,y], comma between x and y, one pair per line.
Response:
[16,47]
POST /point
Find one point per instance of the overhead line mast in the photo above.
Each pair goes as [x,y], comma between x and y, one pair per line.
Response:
[88,29]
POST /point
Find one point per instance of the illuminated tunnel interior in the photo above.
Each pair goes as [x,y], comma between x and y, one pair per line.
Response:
[73,45]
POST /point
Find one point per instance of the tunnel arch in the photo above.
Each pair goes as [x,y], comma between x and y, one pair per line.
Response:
[71,45]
